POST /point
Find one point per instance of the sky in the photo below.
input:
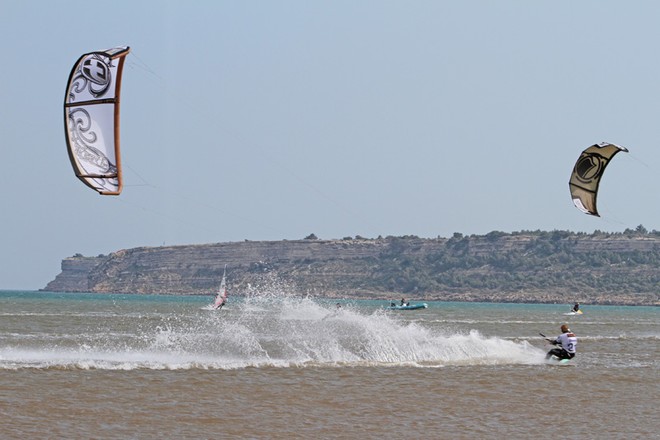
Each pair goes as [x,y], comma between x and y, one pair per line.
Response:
[273,120]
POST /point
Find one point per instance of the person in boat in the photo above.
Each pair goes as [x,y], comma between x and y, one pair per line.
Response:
[404,303]
[567,342]
[576,307]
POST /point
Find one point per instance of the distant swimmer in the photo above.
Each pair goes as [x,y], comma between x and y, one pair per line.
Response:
[568,342]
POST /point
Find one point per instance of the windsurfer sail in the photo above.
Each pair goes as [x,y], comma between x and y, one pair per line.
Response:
[221,296]
[91,119]
[586,175]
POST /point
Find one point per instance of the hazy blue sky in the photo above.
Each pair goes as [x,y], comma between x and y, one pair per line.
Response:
[270,120]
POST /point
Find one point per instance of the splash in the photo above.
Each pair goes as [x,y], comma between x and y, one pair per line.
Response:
[271,327]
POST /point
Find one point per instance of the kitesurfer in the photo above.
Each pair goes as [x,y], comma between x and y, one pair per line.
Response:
[576,307]
[568,342]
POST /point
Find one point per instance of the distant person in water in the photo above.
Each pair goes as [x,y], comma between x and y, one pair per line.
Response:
[221,304]
[576,307]
[568,342]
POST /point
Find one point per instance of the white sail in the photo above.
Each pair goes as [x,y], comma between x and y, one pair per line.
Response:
[221,296]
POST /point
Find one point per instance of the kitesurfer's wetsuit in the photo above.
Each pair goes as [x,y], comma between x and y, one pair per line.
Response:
[568,342]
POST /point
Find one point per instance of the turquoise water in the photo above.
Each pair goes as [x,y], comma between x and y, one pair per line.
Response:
[159,331]
[79,365]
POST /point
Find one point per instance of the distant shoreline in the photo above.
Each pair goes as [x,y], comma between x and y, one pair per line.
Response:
[395,298]
[537,267]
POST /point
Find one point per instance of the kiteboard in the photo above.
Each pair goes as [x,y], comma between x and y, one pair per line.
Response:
[579,312]
[554,360]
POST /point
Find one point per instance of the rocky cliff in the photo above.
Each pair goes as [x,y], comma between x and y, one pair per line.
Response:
[520,267]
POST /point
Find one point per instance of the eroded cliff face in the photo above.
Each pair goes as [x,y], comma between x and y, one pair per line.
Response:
[197,269]
[503,268]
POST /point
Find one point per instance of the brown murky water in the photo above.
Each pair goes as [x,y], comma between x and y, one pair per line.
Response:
[143,368]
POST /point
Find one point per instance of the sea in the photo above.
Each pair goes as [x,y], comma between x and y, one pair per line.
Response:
[274,365]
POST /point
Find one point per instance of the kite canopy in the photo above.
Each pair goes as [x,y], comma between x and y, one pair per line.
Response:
[586,175]
[91,119]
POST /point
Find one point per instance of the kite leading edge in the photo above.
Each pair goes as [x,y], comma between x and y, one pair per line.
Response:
[91,119]
[587,173]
